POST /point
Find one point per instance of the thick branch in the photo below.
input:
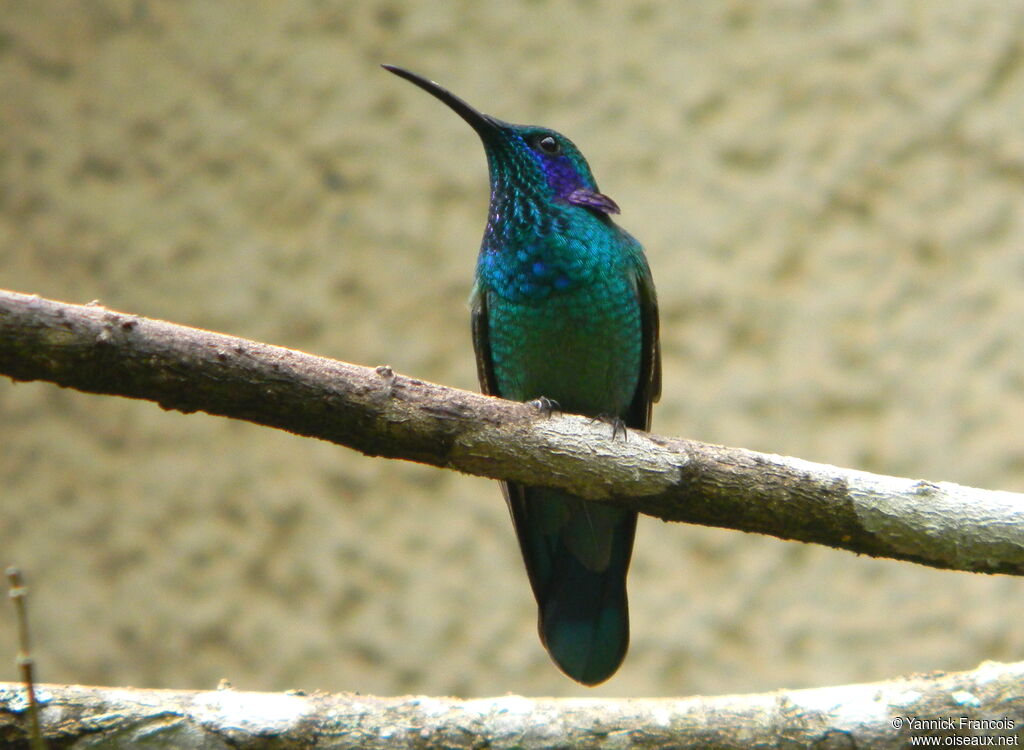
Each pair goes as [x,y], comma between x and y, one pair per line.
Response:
[982,703]
[380,413]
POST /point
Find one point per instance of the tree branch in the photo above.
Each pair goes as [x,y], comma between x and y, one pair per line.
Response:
[380,413]
[983,703]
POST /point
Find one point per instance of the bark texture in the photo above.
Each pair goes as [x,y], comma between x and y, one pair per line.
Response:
[983,703]
[381,413]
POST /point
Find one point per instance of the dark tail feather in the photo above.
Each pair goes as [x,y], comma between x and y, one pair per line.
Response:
[584,621]
[584,616]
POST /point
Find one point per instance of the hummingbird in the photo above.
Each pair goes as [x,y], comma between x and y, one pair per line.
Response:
[564,314]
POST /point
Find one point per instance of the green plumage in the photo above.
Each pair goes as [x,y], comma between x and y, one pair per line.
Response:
[563,308]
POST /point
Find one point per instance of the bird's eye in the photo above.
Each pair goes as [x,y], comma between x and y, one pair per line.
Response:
[548,144]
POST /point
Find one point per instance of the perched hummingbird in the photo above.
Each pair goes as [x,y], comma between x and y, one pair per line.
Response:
[563,311]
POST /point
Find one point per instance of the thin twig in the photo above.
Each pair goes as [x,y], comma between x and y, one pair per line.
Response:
[18,594]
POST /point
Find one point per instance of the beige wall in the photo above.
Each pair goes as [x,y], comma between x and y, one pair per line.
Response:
[831,198]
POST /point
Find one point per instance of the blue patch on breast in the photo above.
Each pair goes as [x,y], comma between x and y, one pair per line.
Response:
[523,274]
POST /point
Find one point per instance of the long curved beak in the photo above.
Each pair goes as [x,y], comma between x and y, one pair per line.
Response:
[481,123]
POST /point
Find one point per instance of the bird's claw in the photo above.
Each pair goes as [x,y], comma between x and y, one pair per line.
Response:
[617,423]
[546,406]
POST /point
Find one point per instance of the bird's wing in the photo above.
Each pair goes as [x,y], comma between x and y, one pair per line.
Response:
[648,388]
[482,341]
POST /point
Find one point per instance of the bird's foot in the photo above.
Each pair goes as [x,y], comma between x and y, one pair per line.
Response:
[545,406]
[618,425]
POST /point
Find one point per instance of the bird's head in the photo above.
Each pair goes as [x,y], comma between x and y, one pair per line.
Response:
[525,157]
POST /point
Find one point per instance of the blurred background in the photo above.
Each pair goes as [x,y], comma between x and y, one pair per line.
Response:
[830,194]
